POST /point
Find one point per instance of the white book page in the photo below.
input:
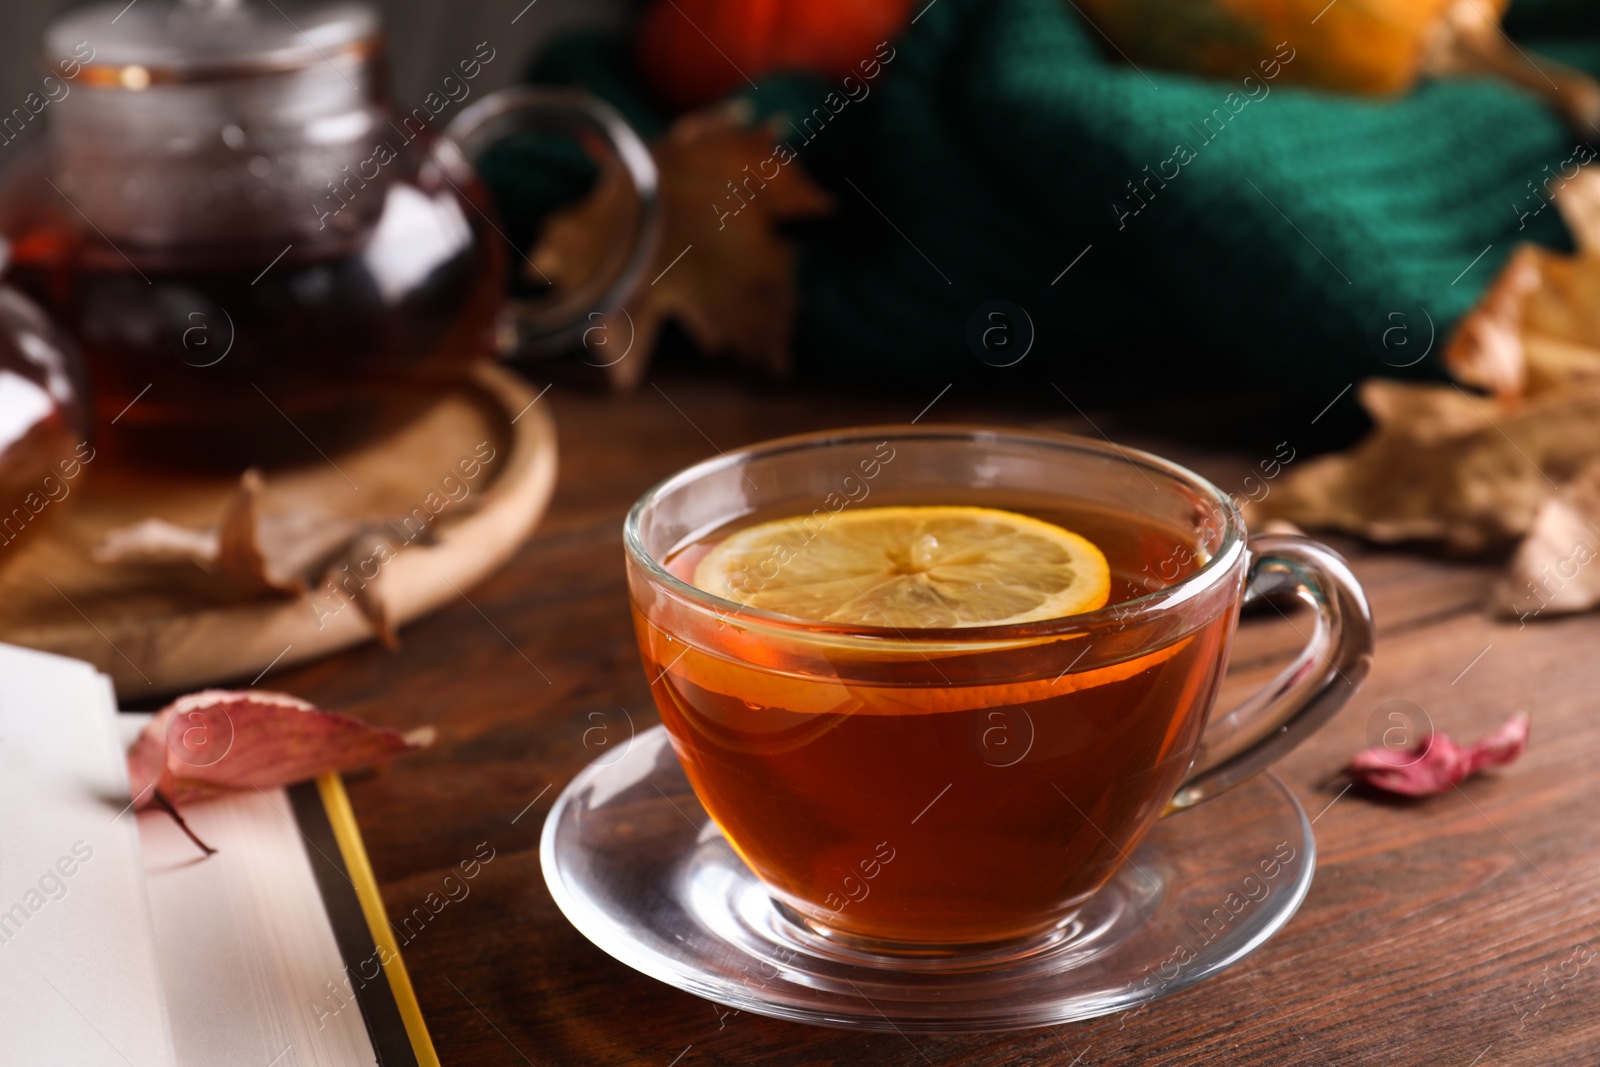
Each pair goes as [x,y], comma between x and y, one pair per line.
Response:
[248,957]
[78,975]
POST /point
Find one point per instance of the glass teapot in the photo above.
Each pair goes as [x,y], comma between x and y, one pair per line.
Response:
[43,424]
[254,249]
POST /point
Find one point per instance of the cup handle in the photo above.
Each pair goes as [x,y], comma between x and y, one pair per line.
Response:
[547,325]
[1305,694]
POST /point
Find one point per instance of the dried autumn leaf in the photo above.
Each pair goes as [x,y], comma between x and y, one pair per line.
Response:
[218,740]
[1538,327]
[1536,331]
[1474,473]
[256,553]
[1437,762]
[1550,574]
[1578,200]
[722,271]
[1444,466]
[1486,350]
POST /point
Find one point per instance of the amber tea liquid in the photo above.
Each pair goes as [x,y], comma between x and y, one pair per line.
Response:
[233,353]
[964,790]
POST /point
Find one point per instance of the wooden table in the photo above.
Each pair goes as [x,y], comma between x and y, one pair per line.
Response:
[1451,932]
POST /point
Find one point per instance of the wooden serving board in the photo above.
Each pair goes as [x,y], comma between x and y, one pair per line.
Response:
[161,629]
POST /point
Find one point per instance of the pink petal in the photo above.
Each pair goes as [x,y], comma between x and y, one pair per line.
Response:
[1437,762]
[1502,746]
[218,739]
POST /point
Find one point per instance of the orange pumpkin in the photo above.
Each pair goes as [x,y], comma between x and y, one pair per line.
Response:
[693,51]
[1354,46]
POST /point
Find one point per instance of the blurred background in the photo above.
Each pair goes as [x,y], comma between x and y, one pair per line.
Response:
[426,38]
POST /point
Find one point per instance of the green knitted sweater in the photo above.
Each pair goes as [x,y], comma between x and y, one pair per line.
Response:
[1158,231]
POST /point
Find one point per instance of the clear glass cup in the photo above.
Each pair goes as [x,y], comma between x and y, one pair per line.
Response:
[962,793]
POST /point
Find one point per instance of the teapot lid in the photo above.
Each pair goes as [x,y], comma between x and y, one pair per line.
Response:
[153,41]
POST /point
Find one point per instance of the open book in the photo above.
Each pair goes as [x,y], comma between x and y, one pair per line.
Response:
[122,946]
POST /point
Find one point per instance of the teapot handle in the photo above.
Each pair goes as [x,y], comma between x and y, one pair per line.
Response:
[548,324]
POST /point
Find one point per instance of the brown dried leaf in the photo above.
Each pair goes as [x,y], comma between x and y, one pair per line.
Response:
[1537,330]
[1578,200]
[1550,572]
[1538,326]
[1444,466]
[255,553]
[1474,473]
[1486,349]
[721,270]
[156,541]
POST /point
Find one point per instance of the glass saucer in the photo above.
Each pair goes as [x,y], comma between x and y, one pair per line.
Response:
[638,867]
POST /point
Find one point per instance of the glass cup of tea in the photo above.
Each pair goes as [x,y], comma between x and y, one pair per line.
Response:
[960,791]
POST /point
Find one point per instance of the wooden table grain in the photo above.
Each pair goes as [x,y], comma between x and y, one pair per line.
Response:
[1457,931]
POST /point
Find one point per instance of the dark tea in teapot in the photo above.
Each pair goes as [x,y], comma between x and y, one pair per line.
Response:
[225,356]
[259,259]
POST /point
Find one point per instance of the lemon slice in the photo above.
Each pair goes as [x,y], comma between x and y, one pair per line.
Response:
[910,568]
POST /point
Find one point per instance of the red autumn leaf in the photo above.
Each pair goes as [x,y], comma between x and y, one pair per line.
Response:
[219,739]
[1436,762]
